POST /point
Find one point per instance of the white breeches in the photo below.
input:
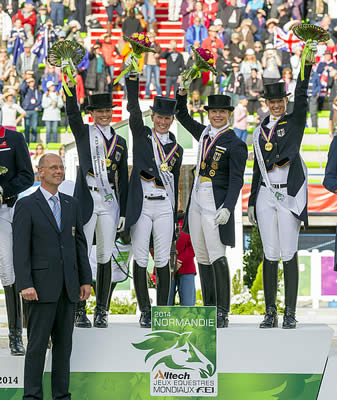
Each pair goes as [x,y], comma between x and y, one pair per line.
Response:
[103,222]
[278,227]
[7,276]
[156,217]
[205,235]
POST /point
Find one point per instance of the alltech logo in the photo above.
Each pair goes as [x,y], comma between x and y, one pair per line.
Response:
[182,351]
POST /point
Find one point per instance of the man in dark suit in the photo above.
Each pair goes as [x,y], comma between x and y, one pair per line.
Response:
[101,190]
[53,273]
[17,176]
[210,212]
[278,198]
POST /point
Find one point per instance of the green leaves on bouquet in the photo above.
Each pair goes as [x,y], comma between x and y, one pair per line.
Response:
[66,54]
[308,33]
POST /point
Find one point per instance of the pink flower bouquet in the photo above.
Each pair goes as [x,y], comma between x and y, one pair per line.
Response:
[204,61]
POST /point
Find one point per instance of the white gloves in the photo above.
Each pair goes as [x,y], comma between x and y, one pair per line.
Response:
[222,216]
[121,224]
[313,45]
[251,215]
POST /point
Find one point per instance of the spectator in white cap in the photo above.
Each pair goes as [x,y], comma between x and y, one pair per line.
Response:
[248,63]
[222,33]
[51,103]
[73,30]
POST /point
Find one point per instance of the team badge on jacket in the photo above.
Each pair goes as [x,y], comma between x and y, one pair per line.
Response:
[280,132]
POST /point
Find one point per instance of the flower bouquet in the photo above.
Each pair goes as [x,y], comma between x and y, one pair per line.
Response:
[3,170]
[140,44]
[204,61]
[308,33]
[66,54]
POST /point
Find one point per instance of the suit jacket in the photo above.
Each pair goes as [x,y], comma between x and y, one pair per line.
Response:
[330,179]
[227,158]
[14,155]
[143,157]
[119,158]
[46,257]
[286,142]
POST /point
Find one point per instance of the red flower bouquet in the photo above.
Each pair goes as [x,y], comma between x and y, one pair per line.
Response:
[204,61]
[140,44]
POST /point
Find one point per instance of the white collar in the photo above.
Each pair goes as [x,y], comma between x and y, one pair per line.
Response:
[273,119]
[47,195]
[106,131]
[164,138]
[213,131]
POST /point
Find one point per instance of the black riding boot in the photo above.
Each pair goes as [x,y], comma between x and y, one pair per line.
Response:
[112,288]
[103,282]
[142,294]
[163,279]
[290,270]
[223,291]
[14,315]
[270,279]
[81,319]
[206,273]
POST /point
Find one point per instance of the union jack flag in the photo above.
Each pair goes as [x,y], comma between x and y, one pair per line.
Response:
[286,41]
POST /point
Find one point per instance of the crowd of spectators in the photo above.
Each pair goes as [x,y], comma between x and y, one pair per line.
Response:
[251,41]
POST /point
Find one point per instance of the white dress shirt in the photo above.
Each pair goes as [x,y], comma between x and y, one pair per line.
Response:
[48,197]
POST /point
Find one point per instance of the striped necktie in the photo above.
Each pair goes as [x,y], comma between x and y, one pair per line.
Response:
[56,210]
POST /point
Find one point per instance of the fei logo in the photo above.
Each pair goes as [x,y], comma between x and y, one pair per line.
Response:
[182,351]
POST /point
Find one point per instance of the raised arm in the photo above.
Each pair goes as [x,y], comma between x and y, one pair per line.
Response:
[194,127]
[123,181]
[135,119]
[74,114]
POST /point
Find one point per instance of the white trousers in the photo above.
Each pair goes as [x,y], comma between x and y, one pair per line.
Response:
[278,227]
[104,223]
[205,235]
[156,217]
[7,276]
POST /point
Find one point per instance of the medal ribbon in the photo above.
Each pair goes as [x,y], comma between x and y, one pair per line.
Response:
[272,131]
[206,148]
[164,159]
[112,146]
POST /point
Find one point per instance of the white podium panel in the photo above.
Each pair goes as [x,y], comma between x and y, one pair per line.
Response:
[252,364]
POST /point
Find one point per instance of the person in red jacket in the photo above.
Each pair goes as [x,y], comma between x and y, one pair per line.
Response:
[184,277]
[27,15]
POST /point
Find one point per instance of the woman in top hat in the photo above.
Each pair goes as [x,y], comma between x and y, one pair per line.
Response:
[210,213]
[153,194]
[103,168]
[278,199]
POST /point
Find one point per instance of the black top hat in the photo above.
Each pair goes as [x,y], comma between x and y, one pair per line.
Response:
[219,101]
[275,91]
[100,100]
[164,105]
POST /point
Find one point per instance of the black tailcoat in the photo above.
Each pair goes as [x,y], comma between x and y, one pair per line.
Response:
[119,158]
[286,142]
[14,155]
[143,157]
[227,159]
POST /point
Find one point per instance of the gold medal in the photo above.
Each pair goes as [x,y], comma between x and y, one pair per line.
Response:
[108,162]
[164,167]
[203,165]
[211,173]
[268,146]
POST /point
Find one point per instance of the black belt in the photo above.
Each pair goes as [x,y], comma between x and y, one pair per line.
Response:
[155,197]
[95,189]
[276,185]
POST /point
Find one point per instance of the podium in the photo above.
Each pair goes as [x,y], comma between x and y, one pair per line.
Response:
[252,364]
